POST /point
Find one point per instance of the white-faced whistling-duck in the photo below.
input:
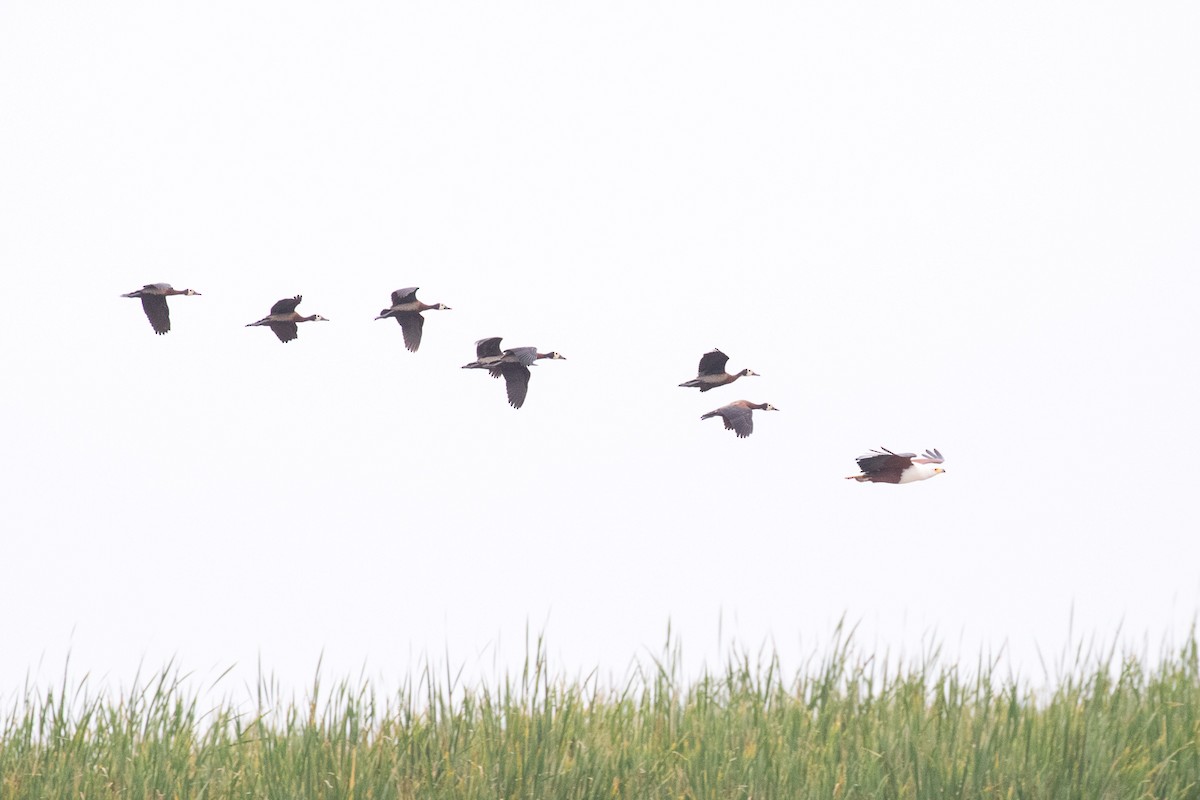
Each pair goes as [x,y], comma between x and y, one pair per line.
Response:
[487,354]
[739,416]
[884,466]
[154,303]
[514,365]
[406,309]
[283,318]
[712,372]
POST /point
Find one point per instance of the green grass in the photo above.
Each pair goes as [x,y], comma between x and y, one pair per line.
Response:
[847,726]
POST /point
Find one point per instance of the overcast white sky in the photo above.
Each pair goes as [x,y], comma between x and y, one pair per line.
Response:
[957,225]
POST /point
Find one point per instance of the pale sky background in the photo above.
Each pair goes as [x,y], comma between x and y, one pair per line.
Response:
[970,226]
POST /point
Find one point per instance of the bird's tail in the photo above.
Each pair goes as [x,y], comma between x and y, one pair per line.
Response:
[690,384]
[709,414]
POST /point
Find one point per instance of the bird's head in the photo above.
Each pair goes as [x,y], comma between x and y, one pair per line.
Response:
[747,372]
[556,355]
[442,307]
[769,407]
[191,292]
[319,318]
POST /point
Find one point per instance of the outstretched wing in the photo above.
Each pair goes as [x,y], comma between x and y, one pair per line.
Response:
[488,347]
[412,325]
[739,420]
[522,355]
[155,306]
[286,306]
[930,457]
[884,466]
[713,363]
[286,331]
[402,295]
[516,379]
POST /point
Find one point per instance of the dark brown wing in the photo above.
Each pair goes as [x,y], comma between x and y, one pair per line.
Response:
[884,466]
[155,306]
[713,363]
[738,419]
[286,306]
[402,295]
[286,331]
[488,347]
[412,325]
[516,378]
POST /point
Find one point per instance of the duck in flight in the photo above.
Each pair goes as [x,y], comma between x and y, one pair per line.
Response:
[283,318]
[154,303]
[512,365]
[712,372]
[406,309]
[738,416]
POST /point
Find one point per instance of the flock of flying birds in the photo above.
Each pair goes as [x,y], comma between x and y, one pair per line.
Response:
[877,466]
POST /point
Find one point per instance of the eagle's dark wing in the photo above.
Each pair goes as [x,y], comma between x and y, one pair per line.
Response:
[884,466]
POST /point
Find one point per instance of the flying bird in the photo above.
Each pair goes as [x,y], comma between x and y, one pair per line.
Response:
[884,466]
[406,309]
[283,318]
[738,416]
[514,366]
[712,372]
[487,353]
[154,303]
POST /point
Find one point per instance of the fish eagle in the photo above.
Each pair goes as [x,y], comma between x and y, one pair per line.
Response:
[884,466]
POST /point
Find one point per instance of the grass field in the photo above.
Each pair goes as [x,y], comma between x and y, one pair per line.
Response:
[848,726]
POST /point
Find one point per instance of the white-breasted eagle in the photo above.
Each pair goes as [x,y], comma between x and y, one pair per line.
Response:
[884,466]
